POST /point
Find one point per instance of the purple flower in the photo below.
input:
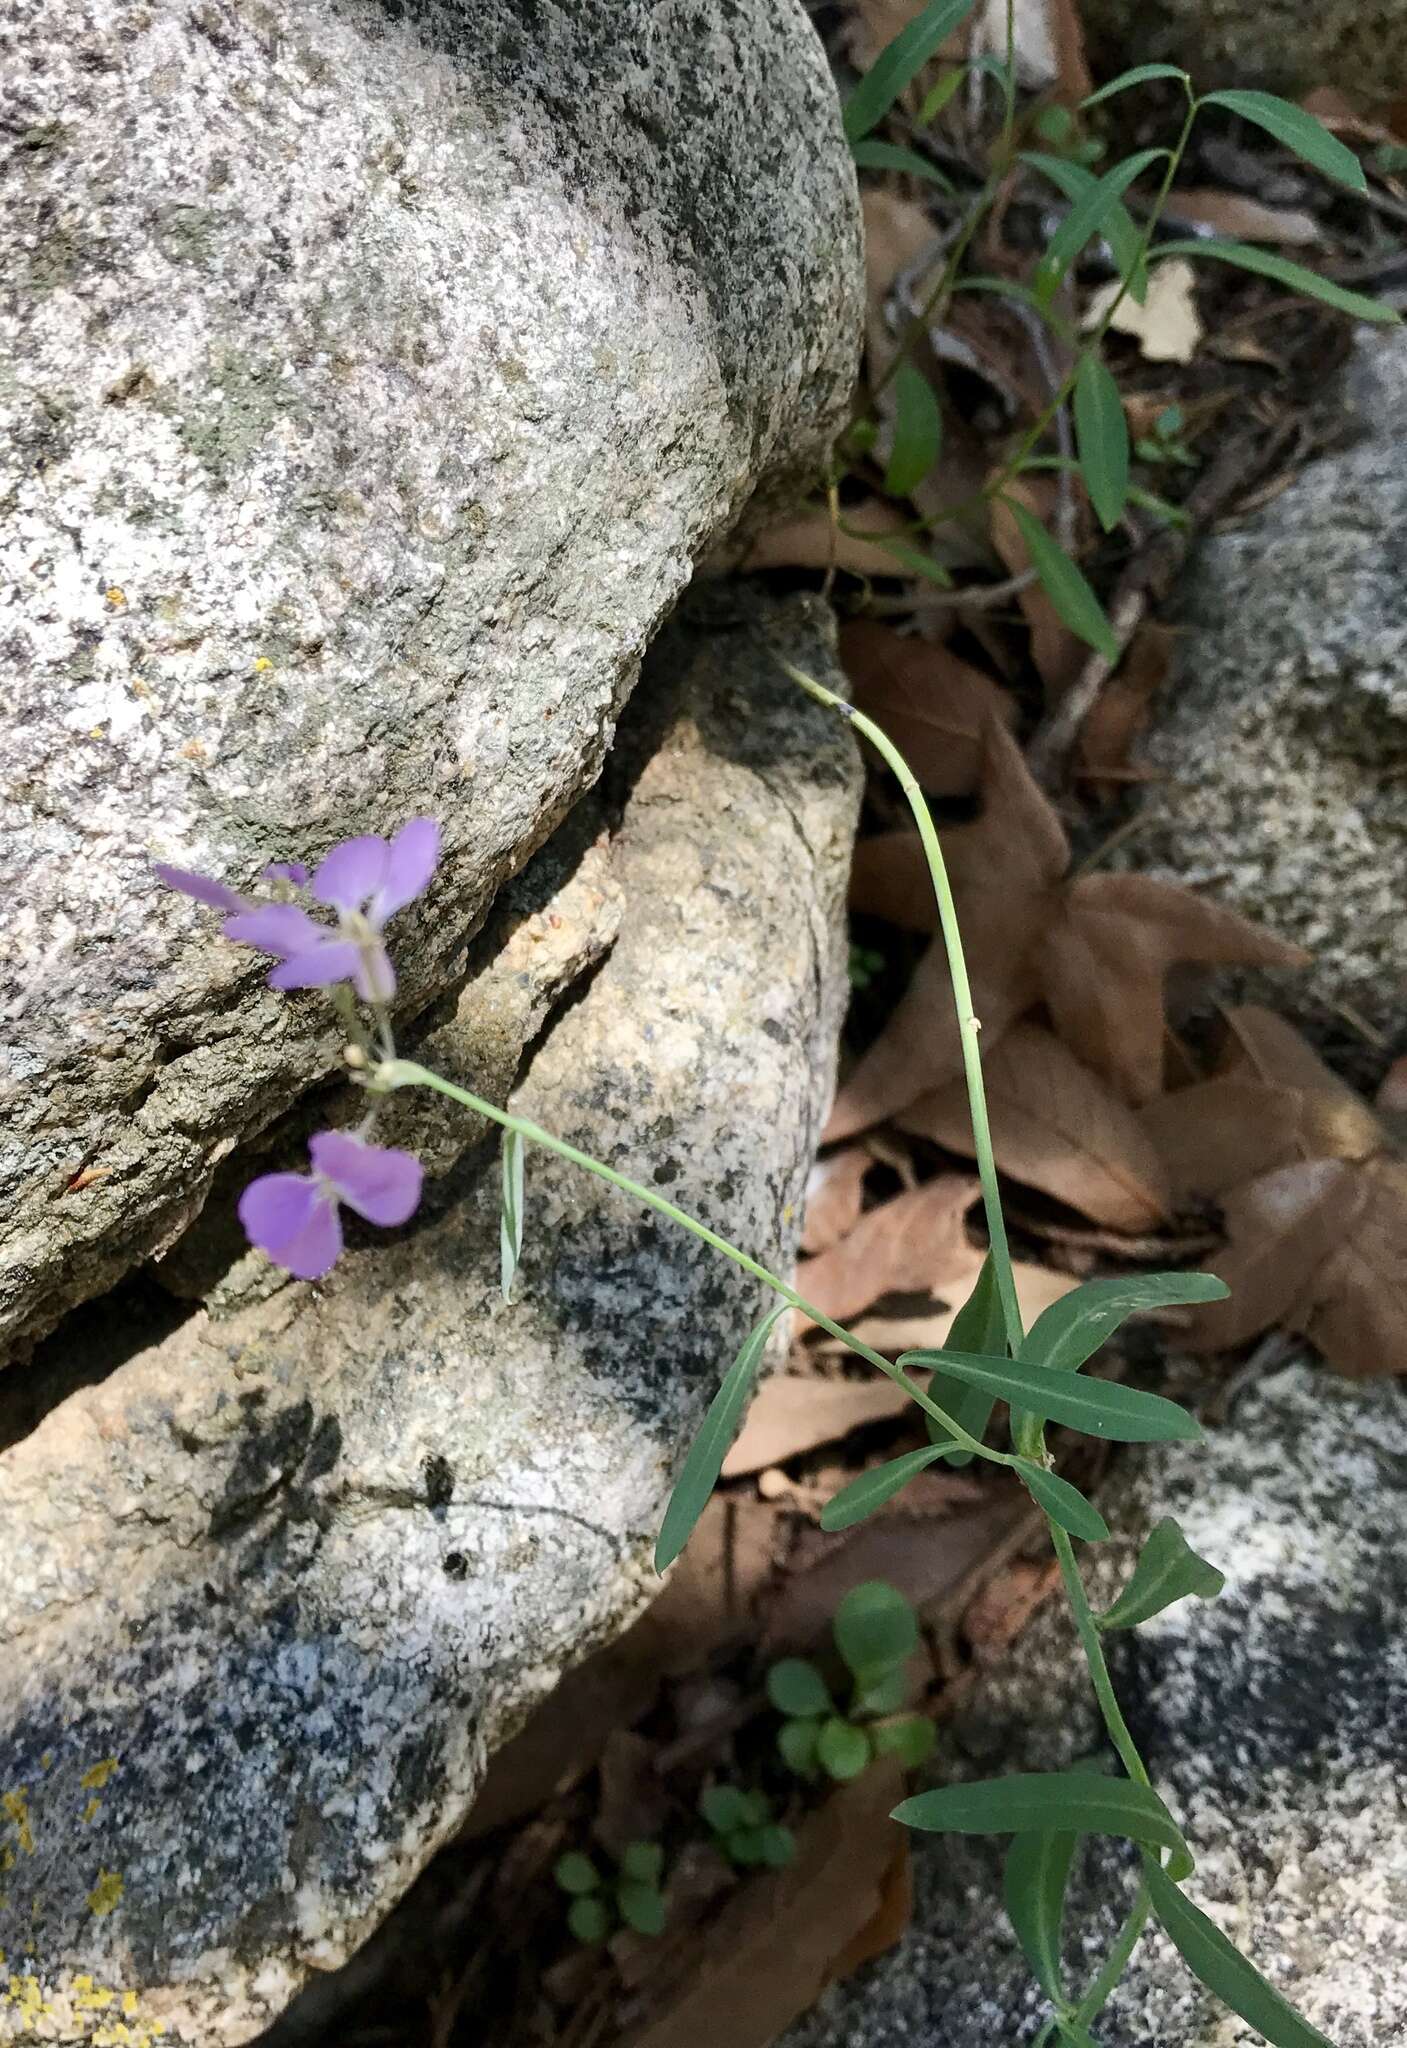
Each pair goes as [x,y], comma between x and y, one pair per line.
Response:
[294,1216]
[285,871]
[364,880]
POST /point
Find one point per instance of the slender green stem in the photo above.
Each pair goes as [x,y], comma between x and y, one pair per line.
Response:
[407,1074]
[1092,1645]
[969,1024]
[1116,1962]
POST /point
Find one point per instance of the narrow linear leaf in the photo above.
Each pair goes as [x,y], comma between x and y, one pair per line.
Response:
[911,561]
[1103,1408]
[1168,1569]
[1140,74]
[1299,131]
[1046,1801]
[977,1326]
[1088,217]
[898,62]
[870,155]
[1125,241]
[1223,1969]
[855,1502]
[942,92]
[709,1448]
[1064,584]
[1065,1504]
[918,432]
[1036,1873]
[1073,1328]
[1102,435]
[510,1220]
[1294,276]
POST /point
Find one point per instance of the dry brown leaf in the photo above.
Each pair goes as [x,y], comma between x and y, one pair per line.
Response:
[1167,326]
[917,1241]
[1245,220]
[1313,1195]
[806,541]
[796,1412]
[1057,1127]
[996,1615]
[932,705]
[784,1934]
[1123,707]
[835,1193]
[632,1803]
[1095,949]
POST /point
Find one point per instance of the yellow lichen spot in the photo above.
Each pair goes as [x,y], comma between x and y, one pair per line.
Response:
[129,2001]
[97,1775]
[92,1809]
[105,1893]
[95,732]
[116,595]
[7,1858]
[16,1806]
[97,2000]
[84,1983]
[261,662]
[46,1761]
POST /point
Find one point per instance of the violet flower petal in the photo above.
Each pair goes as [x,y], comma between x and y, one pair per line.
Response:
[294,1220]
[375,977]
[411,860]
[218,895]
[282,928]
[352,872]
[318,965]
[285,871]
[379,1182]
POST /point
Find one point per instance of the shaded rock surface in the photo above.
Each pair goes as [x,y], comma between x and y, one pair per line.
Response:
[1289,45]
[299,1565]
[374,376]
[1271,1720]
[1282,740]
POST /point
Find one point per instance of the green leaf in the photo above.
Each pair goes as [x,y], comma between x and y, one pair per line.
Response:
[757,1808]
[842,1750]
[942,92]
[1065,1504]
[724,1808]
[873,1488]
[797,1688]
[576,1873]
[1103,1408]
[510,1220]
[1168,1569]
[796,1745]
[589,1920]
[885,1694]
[875,1629]
[1308,138]
[778,1846]
[889,156]
[641,1907]
[977,1326]
[1223,1969]
[642,1862]
[1161,508]
[1043,1801]
[1034,1879]
[1141,74]
[918,432]
[1088,217]
[900,61]
[1103,437]
[1125,241]
[709,1448]
[1293,275]
[913,561]
[1073,1328]
[1064,584]
[912,1738]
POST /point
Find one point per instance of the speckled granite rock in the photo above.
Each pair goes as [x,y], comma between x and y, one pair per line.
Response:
[1290,45]
[1273,1721]
[1282,740]
[299,1567]
[373,377]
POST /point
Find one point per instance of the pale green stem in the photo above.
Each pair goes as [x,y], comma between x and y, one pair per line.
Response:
[1093,1647]
[406,1074]
[1116,1962]
[969,1024]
